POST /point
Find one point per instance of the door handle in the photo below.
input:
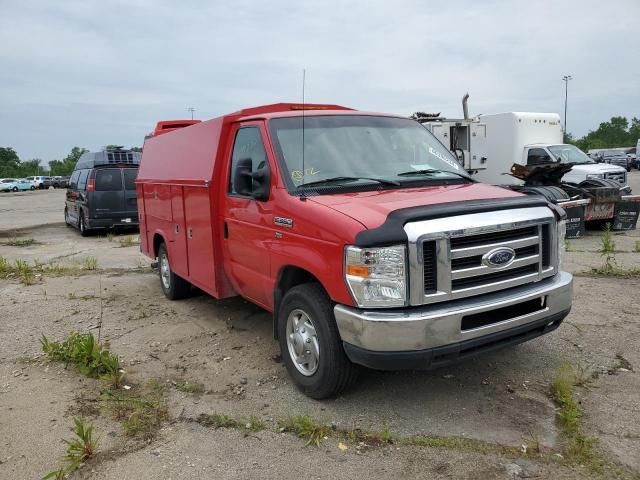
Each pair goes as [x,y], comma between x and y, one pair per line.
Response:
[189,233]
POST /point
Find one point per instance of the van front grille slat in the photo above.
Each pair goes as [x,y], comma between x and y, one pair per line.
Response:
[493,237]
[494,277]
[429,259]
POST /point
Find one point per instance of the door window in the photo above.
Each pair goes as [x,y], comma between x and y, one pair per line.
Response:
[82,179]
[130,175]
[73,182]
[108,180]
[537,156]
[247,145]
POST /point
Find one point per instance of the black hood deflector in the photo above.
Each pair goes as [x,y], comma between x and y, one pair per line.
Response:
[392,230]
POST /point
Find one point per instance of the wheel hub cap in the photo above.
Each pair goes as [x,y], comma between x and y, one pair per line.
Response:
[165,271]
[302,342]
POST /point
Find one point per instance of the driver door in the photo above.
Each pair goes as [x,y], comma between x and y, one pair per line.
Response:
[248,223]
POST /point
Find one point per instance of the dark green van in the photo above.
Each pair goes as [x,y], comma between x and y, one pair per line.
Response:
[102,192]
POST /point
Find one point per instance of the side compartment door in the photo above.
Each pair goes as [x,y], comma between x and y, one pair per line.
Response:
[248,223]
[197,209]
[179,255]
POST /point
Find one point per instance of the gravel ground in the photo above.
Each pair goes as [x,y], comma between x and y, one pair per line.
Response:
[501,398]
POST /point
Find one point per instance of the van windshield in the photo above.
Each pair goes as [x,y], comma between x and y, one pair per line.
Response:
[569,154]
[360,148]
[108,180]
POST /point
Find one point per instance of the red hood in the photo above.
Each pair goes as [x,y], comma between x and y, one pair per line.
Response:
[372,208]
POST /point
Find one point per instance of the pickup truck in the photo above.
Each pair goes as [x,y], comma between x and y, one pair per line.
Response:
[359,231]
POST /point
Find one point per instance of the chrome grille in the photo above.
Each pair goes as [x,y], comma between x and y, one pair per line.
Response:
[620,177]
[449,253]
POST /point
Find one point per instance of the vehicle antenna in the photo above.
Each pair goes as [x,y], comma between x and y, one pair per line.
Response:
[304,74]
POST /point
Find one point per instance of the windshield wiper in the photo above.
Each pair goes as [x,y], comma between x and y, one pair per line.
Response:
[349,179]
[429,171]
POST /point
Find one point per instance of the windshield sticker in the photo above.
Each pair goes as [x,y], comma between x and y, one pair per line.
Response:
[297,175]
[446,160]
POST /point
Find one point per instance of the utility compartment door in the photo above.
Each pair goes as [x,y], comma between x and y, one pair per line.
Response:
[178,236]
[478,148]
[199,232]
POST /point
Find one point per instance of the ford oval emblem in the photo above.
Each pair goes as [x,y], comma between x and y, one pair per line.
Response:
[499,257]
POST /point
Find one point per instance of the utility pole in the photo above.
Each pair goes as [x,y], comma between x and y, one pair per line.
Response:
[566,79]
[191,109]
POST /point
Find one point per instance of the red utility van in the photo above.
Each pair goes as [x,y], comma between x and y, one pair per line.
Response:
[359,231]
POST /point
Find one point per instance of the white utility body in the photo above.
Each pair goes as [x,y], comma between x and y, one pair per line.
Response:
[489,145]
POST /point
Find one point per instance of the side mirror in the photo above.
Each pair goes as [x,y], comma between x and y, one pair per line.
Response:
[242,177]
[254,184]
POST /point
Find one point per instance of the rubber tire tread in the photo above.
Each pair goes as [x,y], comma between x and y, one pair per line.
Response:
[335,373]
[179,288]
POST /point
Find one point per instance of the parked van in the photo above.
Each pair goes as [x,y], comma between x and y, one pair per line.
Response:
[101,192]
[359,231]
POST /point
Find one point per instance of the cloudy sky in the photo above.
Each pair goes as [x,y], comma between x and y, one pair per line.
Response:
[92,73]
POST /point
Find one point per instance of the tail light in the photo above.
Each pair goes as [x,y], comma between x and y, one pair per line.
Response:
[91,186]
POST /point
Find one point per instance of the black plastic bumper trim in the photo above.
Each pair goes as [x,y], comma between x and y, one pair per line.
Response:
[456,352]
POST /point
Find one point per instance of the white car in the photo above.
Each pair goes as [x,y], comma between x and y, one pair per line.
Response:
[40,181]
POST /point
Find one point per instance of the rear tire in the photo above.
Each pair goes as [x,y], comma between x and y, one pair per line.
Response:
[310,343]
[82,226]
[67,221]
[32,187]
[173,286]
[14,189]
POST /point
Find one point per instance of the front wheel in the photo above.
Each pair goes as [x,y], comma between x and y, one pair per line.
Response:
[310,343]
[173,286]
[15,189]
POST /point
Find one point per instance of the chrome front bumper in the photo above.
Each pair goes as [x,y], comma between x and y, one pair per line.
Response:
[426,328]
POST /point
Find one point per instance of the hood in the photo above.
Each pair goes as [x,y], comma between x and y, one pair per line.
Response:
[597,168]
[371,209]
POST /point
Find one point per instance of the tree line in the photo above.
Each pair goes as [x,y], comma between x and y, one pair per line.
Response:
[617,132]
[12,166]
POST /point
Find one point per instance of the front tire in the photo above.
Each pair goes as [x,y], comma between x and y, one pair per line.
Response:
[173,286]
[14,189]
[310,343]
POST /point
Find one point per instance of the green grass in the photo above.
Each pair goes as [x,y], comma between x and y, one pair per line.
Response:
[193,388]
[250,424]
[26,273]
[610,268]
[90,263]
[580,448]
[20,242]
[636,248]
[79,449]
[91,358]
[110,236]
[607,244]
[129,241]
[304,427]
[142,413]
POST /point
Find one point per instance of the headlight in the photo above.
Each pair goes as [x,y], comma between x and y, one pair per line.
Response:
[562,232]
[377,276]
[595,175]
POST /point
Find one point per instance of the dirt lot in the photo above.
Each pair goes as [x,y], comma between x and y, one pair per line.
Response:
[482,419]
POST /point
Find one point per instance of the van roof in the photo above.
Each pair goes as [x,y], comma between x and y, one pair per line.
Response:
[108,157]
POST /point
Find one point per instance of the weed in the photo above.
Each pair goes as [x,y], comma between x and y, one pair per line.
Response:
[251,424]
[129,241]
[90,263]
[610,268]
[194,388]
[24,242]
[304,427]
[142,413]
[580,448]
[24,272]
[110,236]
[90,357]
[608,245]
[636,248]
[79,449]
